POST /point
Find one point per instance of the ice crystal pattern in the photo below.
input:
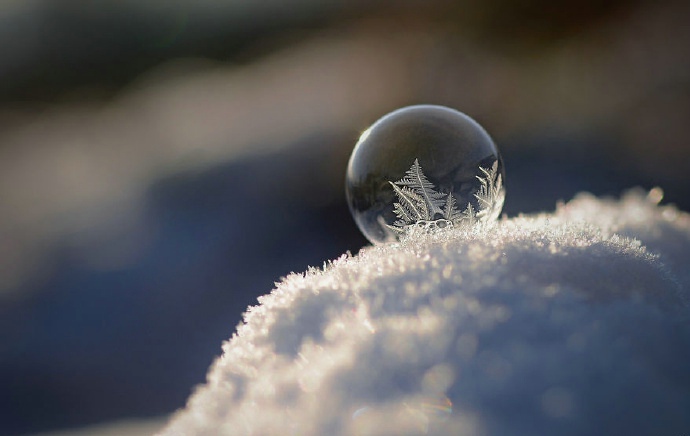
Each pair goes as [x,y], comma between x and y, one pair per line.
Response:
[420,206]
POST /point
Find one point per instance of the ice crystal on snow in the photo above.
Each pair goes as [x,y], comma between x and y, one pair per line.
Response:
[420,206]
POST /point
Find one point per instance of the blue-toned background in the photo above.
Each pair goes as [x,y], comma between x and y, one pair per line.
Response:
[162,164]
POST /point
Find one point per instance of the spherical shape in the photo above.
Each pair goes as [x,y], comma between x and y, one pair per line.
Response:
[423,168]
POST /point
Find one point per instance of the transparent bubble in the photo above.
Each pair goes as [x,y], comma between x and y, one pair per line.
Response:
[423,168]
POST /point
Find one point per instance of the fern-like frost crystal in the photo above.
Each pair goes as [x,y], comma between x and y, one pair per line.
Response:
[423,168]
[420,206]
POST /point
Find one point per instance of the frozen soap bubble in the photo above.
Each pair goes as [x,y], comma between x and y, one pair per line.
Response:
[423,168]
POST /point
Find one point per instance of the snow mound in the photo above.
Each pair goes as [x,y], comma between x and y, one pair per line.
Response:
[568,323]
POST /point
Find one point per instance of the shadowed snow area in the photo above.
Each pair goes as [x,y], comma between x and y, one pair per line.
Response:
[568,323]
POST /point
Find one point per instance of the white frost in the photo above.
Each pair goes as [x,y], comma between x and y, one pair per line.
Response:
[568,323]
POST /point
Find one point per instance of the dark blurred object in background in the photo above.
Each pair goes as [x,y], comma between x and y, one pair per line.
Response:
[163,163]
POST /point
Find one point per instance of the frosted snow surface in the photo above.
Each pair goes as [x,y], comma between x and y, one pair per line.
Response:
[570,323]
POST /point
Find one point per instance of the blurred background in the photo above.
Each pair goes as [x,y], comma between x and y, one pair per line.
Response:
[163,163]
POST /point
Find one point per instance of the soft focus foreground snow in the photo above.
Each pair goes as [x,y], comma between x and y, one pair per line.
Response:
[574,322]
